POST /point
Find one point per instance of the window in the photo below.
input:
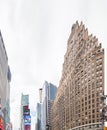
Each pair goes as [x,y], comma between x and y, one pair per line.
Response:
[92,95]
[93,111]
[93,121]
[93,106]
[93,101]
[100,77]
[93,116]
[100,88]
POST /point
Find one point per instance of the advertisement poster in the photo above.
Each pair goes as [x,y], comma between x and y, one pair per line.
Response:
[27,120]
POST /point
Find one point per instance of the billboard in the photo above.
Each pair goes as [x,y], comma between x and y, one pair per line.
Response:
[25,100]
[1,124]
[27,127]
[27,120]
[26,110]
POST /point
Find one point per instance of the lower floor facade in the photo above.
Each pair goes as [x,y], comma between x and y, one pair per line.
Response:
[92,126]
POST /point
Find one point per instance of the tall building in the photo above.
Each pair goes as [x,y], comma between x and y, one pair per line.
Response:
[38,116]
[25,113]
[5,78]
[77,103]
[48,95]
[38,111]
[3,72]
[40,95]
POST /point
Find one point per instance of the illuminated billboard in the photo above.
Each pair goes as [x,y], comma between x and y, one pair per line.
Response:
[27,120]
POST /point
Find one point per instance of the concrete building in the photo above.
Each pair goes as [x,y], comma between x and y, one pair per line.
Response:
[4,83]
[48,95]
[77,103]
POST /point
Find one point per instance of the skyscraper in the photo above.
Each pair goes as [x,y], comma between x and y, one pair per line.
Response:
[38,111]
[3,72]
[48,95]
[77,103]
[38,116]
[5,78]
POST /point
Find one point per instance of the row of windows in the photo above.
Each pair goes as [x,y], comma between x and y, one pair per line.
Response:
[89,69]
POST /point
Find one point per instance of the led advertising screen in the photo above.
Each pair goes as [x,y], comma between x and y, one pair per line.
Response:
[27,120]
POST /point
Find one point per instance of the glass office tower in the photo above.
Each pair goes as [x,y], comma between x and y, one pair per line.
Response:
[48,95]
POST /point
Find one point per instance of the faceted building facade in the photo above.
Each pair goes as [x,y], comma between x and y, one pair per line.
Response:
[48,95]
[5,78]
[3,72]
[77,103]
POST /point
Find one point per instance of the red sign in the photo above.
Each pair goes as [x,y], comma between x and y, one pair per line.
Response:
[1,127]
[26,107]
[26,127]
[1,124]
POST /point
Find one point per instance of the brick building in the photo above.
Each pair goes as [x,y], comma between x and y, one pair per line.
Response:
[78,102]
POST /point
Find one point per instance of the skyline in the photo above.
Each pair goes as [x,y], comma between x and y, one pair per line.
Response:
[35,35]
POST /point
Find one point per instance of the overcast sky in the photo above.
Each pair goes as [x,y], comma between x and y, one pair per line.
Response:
[35,34]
